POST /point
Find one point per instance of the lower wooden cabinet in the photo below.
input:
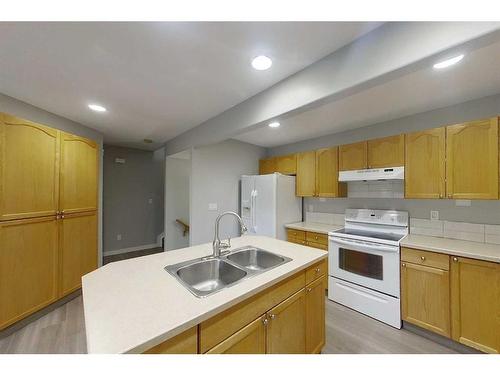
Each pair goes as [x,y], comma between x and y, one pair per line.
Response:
[28,267]
[315,315]
[425,297]
[78,249]
[452,296]
[475,303]
[184,343]
[248,340]
[286,331]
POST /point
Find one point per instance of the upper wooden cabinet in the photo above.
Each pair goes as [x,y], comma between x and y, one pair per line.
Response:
[475,303]
[286,164]
[28,267]
[327,174]
[353,156]
[425,164]
[78,249]
[29,170]
[306,174]
[386,152]
[472,160]
[267,166]
[79,165]
[281,337]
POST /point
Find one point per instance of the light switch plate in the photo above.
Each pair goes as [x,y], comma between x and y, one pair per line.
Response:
[119,237]
[463,203]
[212,206]
[434,215]
[150,200]
[120,160]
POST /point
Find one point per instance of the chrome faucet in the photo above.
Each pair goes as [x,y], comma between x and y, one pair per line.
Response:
[218,244]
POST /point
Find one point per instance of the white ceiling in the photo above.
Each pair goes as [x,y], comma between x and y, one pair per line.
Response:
[423,90]
[156,79]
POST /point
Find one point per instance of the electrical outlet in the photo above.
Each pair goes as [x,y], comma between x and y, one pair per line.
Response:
[119,237]
[463,203]
[150,200]
[212,206]
[322,199]
[434,215]
[311,208]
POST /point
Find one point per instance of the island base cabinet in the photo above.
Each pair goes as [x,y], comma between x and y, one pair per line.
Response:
[184,343]
[286,333]
[315,315]
[475,303]
[249,340]
[425,297]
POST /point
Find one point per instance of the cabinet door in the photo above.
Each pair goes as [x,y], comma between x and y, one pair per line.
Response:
[78,249]
[472,160]
[386,152]
[248,340]
[267,166]
[475,304]
[286,331]
[29,175]
[79,174]
[353,156]
[327,174]
[425,297]
[306,174]
[28,267]
[184,343]
[425,164]
[286,164]
[315,315]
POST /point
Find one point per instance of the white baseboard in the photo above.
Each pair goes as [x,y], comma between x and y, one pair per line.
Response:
[129,249]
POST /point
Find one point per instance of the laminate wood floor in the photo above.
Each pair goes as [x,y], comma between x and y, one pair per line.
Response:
[348,332]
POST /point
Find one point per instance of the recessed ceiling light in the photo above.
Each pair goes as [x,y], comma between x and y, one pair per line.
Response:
[448,62]
[274,124]
[262,62]
[97,108]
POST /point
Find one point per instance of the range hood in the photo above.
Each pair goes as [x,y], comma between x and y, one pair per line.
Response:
[393,173]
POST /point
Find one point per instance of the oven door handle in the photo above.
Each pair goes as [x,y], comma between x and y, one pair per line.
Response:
[365,245]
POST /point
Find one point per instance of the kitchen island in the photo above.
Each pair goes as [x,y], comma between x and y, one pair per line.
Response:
[135,306]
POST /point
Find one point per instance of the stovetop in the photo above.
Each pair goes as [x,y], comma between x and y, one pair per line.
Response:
[396,237]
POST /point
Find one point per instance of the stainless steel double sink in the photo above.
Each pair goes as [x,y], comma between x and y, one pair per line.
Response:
[204,276]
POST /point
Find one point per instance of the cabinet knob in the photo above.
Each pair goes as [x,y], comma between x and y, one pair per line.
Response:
[423,258]
[62,216]
[316,237]
[440,196]
[455,259]
[272,316]
[317,270]
[265,321]
[450,196]
[308,290]
[403,265]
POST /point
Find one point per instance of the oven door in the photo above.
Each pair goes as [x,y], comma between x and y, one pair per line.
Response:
[375,266]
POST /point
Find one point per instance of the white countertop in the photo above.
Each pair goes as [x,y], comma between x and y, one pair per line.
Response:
[132,305]
[467,249]
[314,227]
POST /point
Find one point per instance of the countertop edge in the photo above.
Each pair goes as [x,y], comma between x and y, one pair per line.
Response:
[211,313]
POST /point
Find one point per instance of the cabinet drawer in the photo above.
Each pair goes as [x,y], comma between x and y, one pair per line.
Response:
[427,258]
[220,327]
[316,271]
[317,238]
[300,242]
[296,234]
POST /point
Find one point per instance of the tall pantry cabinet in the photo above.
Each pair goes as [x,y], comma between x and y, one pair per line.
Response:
[48,215]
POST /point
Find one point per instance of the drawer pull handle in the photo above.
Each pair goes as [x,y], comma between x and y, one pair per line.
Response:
[423,258]
[455,259]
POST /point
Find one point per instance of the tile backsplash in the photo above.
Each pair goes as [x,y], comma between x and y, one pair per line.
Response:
[325,218]
[458,230]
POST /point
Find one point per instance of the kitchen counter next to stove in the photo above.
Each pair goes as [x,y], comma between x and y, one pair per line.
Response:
[309,226]
[461,248]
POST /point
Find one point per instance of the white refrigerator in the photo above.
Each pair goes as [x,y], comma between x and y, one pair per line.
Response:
[268,202]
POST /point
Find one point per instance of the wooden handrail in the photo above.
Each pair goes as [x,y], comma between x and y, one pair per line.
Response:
[185,226]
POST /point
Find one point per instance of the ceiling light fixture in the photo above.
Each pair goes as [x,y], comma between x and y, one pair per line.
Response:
[262,62]
[274,124]
[97,108]
[448,62]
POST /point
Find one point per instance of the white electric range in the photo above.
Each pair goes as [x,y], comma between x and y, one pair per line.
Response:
[364,263]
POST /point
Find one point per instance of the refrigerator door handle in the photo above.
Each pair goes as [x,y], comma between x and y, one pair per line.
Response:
[254,213]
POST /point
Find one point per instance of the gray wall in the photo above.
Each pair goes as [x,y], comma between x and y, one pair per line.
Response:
[215,178]
[127,189]
[478,212]
[176,201]
[27,111]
